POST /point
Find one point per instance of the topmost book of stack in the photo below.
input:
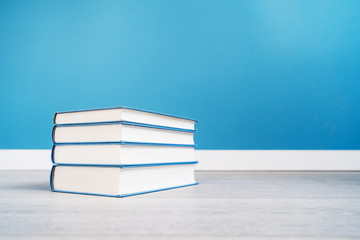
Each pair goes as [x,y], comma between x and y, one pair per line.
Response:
[123,114]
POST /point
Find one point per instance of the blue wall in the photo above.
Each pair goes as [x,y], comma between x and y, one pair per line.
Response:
[257,74]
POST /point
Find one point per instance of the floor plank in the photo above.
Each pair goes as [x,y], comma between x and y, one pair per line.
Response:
[226,205]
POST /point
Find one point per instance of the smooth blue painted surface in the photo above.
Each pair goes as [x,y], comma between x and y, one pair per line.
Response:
[256,74]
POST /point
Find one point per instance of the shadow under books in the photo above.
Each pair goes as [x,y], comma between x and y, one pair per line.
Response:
[33,187]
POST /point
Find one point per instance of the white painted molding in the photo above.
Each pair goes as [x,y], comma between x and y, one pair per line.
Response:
[279,160]
[25,159]
[220,160]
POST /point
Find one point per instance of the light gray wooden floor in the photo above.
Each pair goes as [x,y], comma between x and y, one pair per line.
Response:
[226,205]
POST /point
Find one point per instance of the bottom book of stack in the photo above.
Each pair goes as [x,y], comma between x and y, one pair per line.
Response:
[121,180]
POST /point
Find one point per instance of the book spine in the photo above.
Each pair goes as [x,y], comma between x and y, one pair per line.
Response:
[53,134]
[52,178]
[54,118]
[53,154]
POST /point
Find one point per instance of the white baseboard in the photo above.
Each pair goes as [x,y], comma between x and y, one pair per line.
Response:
[25,159]
[220,160]
[279,160]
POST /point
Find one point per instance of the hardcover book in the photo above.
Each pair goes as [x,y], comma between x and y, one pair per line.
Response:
[121,154]
[123,114]
[121,132]
[120,181]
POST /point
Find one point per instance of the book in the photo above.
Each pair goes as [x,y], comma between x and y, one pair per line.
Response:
[121,154]
[123,114]
[120,181]
[121,132]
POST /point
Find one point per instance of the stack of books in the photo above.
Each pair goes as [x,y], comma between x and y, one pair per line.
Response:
[121,152]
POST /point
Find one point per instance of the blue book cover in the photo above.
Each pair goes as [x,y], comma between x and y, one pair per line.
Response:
[123,107]
[126,195]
